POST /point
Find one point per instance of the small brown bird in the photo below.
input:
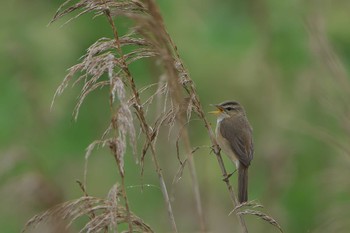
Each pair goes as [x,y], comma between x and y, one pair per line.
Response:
[234,136]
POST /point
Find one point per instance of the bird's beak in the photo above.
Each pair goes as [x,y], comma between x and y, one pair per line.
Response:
[220,109]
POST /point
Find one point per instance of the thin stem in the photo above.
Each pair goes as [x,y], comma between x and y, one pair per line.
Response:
[145,126]
[194,179]
[122,176]
[168,46]
[114,149]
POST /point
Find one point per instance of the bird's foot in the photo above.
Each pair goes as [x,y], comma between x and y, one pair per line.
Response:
[216,149]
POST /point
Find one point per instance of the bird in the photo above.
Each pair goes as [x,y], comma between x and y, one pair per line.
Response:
[234,136]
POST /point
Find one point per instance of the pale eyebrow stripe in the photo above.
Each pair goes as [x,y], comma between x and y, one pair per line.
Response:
[230,103]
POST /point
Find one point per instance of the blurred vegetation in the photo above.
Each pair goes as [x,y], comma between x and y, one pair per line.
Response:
[287,62]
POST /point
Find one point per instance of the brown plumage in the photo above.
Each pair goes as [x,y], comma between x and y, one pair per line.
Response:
[234,135]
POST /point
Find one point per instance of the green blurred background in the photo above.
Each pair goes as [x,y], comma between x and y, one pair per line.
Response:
[287,62]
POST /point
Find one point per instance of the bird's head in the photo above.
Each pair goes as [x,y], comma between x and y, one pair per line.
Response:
[228,109]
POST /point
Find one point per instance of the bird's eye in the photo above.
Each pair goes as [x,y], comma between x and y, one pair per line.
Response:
[229,109]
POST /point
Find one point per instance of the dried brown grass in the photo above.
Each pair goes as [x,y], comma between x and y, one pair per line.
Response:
[105,64]
[104,214]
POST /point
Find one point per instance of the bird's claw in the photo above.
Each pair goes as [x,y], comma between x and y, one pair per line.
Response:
[216,149]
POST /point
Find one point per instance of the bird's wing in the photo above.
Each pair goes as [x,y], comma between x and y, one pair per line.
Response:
[239,134]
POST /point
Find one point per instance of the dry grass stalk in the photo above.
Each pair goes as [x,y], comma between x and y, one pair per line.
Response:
[107,214]
[106,65]
[251,204]
[240,210]
[106,56]
[263,216]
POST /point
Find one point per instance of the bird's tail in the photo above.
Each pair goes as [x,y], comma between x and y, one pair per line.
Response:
[242,183]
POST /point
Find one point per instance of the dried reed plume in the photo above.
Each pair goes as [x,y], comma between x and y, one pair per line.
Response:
[104,214]
[107,65]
